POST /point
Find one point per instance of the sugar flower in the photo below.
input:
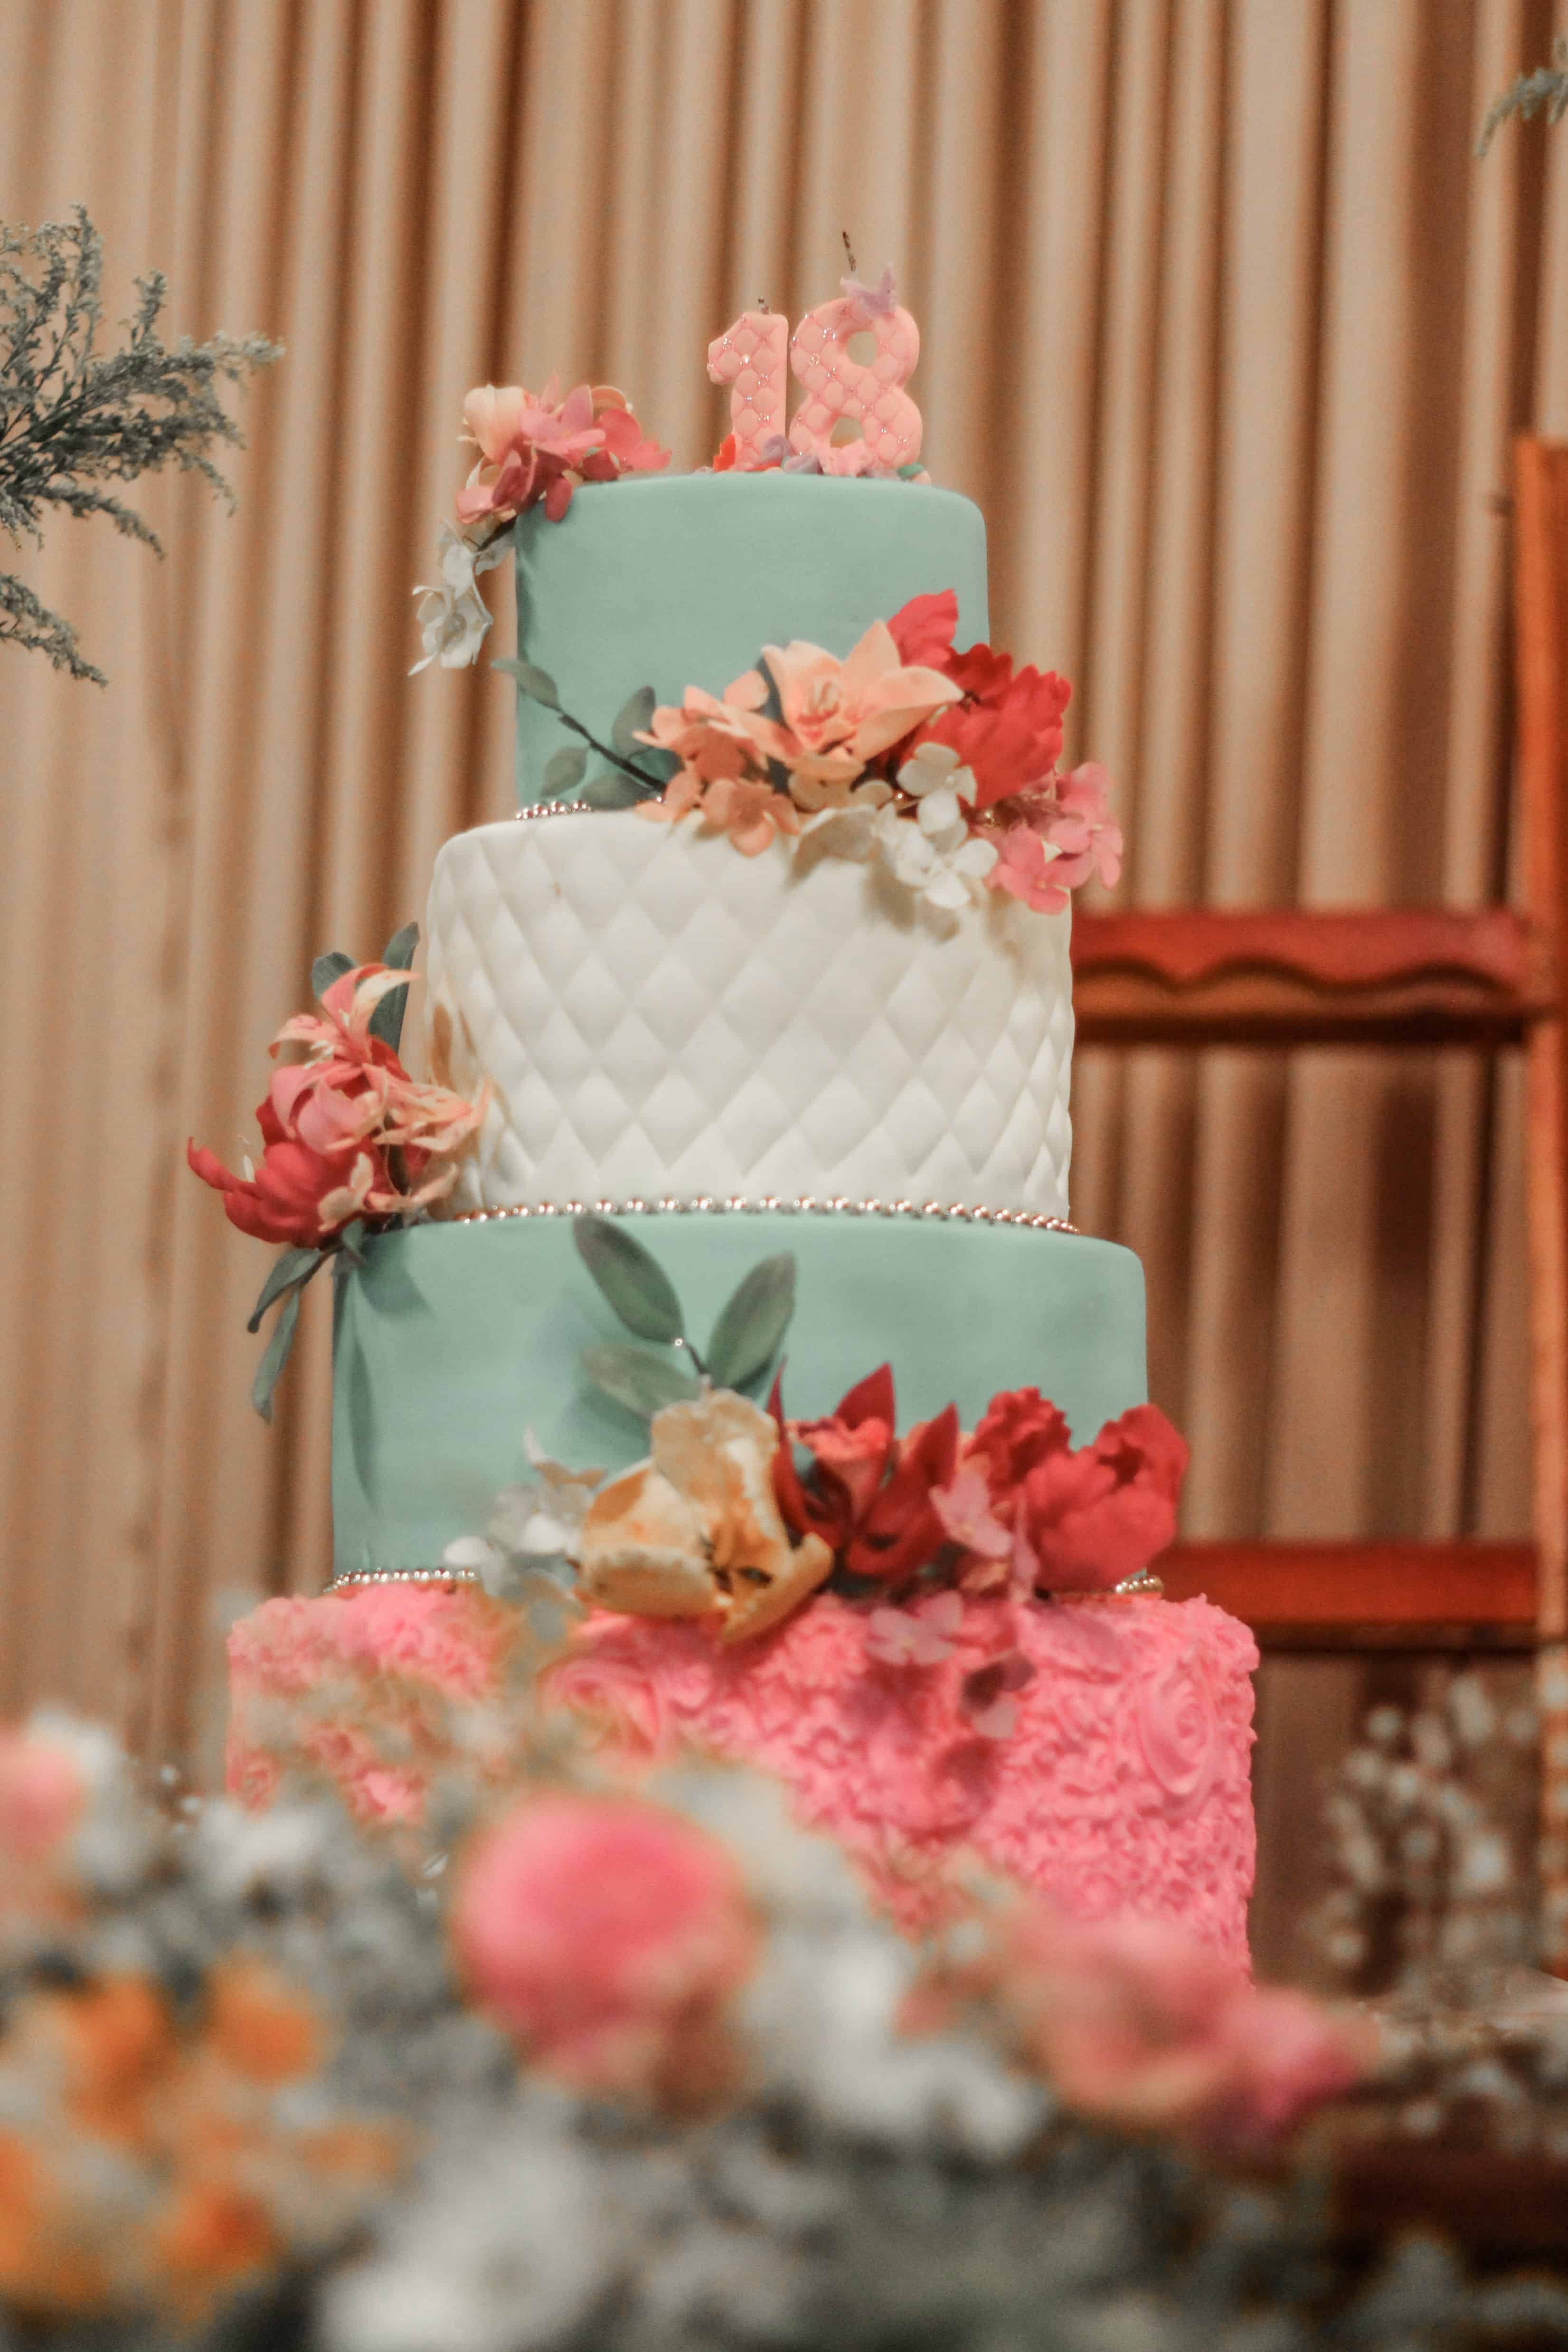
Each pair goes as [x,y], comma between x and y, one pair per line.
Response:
[540,449]
[1028,867]
[937,857]
[453,618]
[870,1495]
[1083,1520]
[607,1935]
[695,1530]
[542,1518]
[921,1636]
[840,714]
[346,1132]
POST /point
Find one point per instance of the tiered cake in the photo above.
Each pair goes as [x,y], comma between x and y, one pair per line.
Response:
[662,1021]
[812,1099]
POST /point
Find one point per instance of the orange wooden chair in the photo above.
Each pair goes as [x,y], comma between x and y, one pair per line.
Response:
[1491,977]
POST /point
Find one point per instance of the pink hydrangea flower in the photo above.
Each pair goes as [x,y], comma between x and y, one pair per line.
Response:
[1141,2027]
[42,1794]
[606,1933]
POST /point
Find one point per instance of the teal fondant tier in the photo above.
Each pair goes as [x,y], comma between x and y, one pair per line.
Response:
[455,1338]
[672,580]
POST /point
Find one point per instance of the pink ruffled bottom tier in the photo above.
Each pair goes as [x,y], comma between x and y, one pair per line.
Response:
[1123,1787]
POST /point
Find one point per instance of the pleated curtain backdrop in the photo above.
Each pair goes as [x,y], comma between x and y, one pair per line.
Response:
[1223,328]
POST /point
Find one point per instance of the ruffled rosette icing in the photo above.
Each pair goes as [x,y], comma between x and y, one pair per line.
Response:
[1121,1787]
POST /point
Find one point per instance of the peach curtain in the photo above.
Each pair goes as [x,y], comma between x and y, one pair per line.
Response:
[1223,328]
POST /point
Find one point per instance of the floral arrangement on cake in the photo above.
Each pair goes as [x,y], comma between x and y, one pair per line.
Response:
[351,1143]
[939,762]
[531,452]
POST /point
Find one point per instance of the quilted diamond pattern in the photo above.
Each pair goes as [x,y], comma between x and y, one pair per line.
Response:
[658,1015]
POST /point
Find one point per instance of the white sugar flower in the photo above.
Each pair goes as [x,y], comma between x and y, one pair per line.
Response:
[543,1518]
[933,767]
[453,619]
[937,857]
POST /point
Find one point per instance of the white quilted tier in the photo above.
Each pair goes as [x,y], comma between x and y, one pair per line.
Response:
[659,1016]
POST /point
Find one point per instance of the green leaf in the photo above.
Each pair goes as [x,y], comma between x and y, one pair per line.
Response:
[635,1285]
[292,1269]
[328,967]
[536,683]
[277,1355]
[610,790]
[752,1322]
[660,765]
[564,772]
[631,721]
[349,1242]
[386,1019]
[643,1383]
[400,948]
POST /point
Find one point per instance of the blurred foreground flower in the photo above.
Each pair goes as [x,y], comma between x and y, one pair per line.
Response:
[1138,2025]
[607,1936]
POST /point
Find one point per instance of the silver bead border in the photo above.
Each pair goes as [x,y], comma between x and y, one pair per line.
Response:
[559,808]
[772,1204]
[1143,1582]
[349,1579]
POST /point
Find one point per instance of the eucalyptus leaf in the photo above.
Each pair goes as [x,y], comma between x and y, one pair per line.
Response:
[400,947]
[752,1323]
[660,765]
[633,1282]
[632,720]
[386,1020]
[564,770]
[348,1251]
[610,790]
[291,1270]
[275,1356]
[644,1383]
[536,683]
[328,967]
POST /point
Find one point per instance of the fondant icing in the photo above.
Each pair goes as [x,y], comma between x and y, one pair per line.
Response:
[455,1338]
[657,1016]
[677,581]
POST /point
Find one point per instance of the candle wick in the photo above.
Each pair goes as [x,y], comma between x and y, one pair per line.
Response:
[849,252]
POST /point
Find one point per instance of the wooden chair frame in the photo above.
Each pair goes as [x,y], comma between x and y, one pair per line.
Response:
[1489,978]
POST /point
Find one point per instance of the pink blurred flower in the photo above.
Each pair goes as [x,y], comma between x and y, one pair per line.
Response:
[1140,2026]
[42,1794]
[606,1933]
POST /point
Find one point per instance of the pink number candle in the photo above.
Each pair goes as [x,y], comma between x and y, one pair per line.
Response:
[751,358]
[870,392]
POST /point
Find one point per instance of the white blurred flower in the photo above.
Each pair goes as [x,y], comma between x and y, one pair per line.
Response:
[453,618]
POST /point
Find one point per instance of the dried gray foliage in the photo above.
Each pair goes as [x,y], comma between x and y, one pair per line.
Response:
[74,420]
[1543,91]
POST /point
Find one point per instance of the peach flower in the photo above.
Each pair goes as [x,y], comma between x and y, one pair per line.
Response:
[840,714]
